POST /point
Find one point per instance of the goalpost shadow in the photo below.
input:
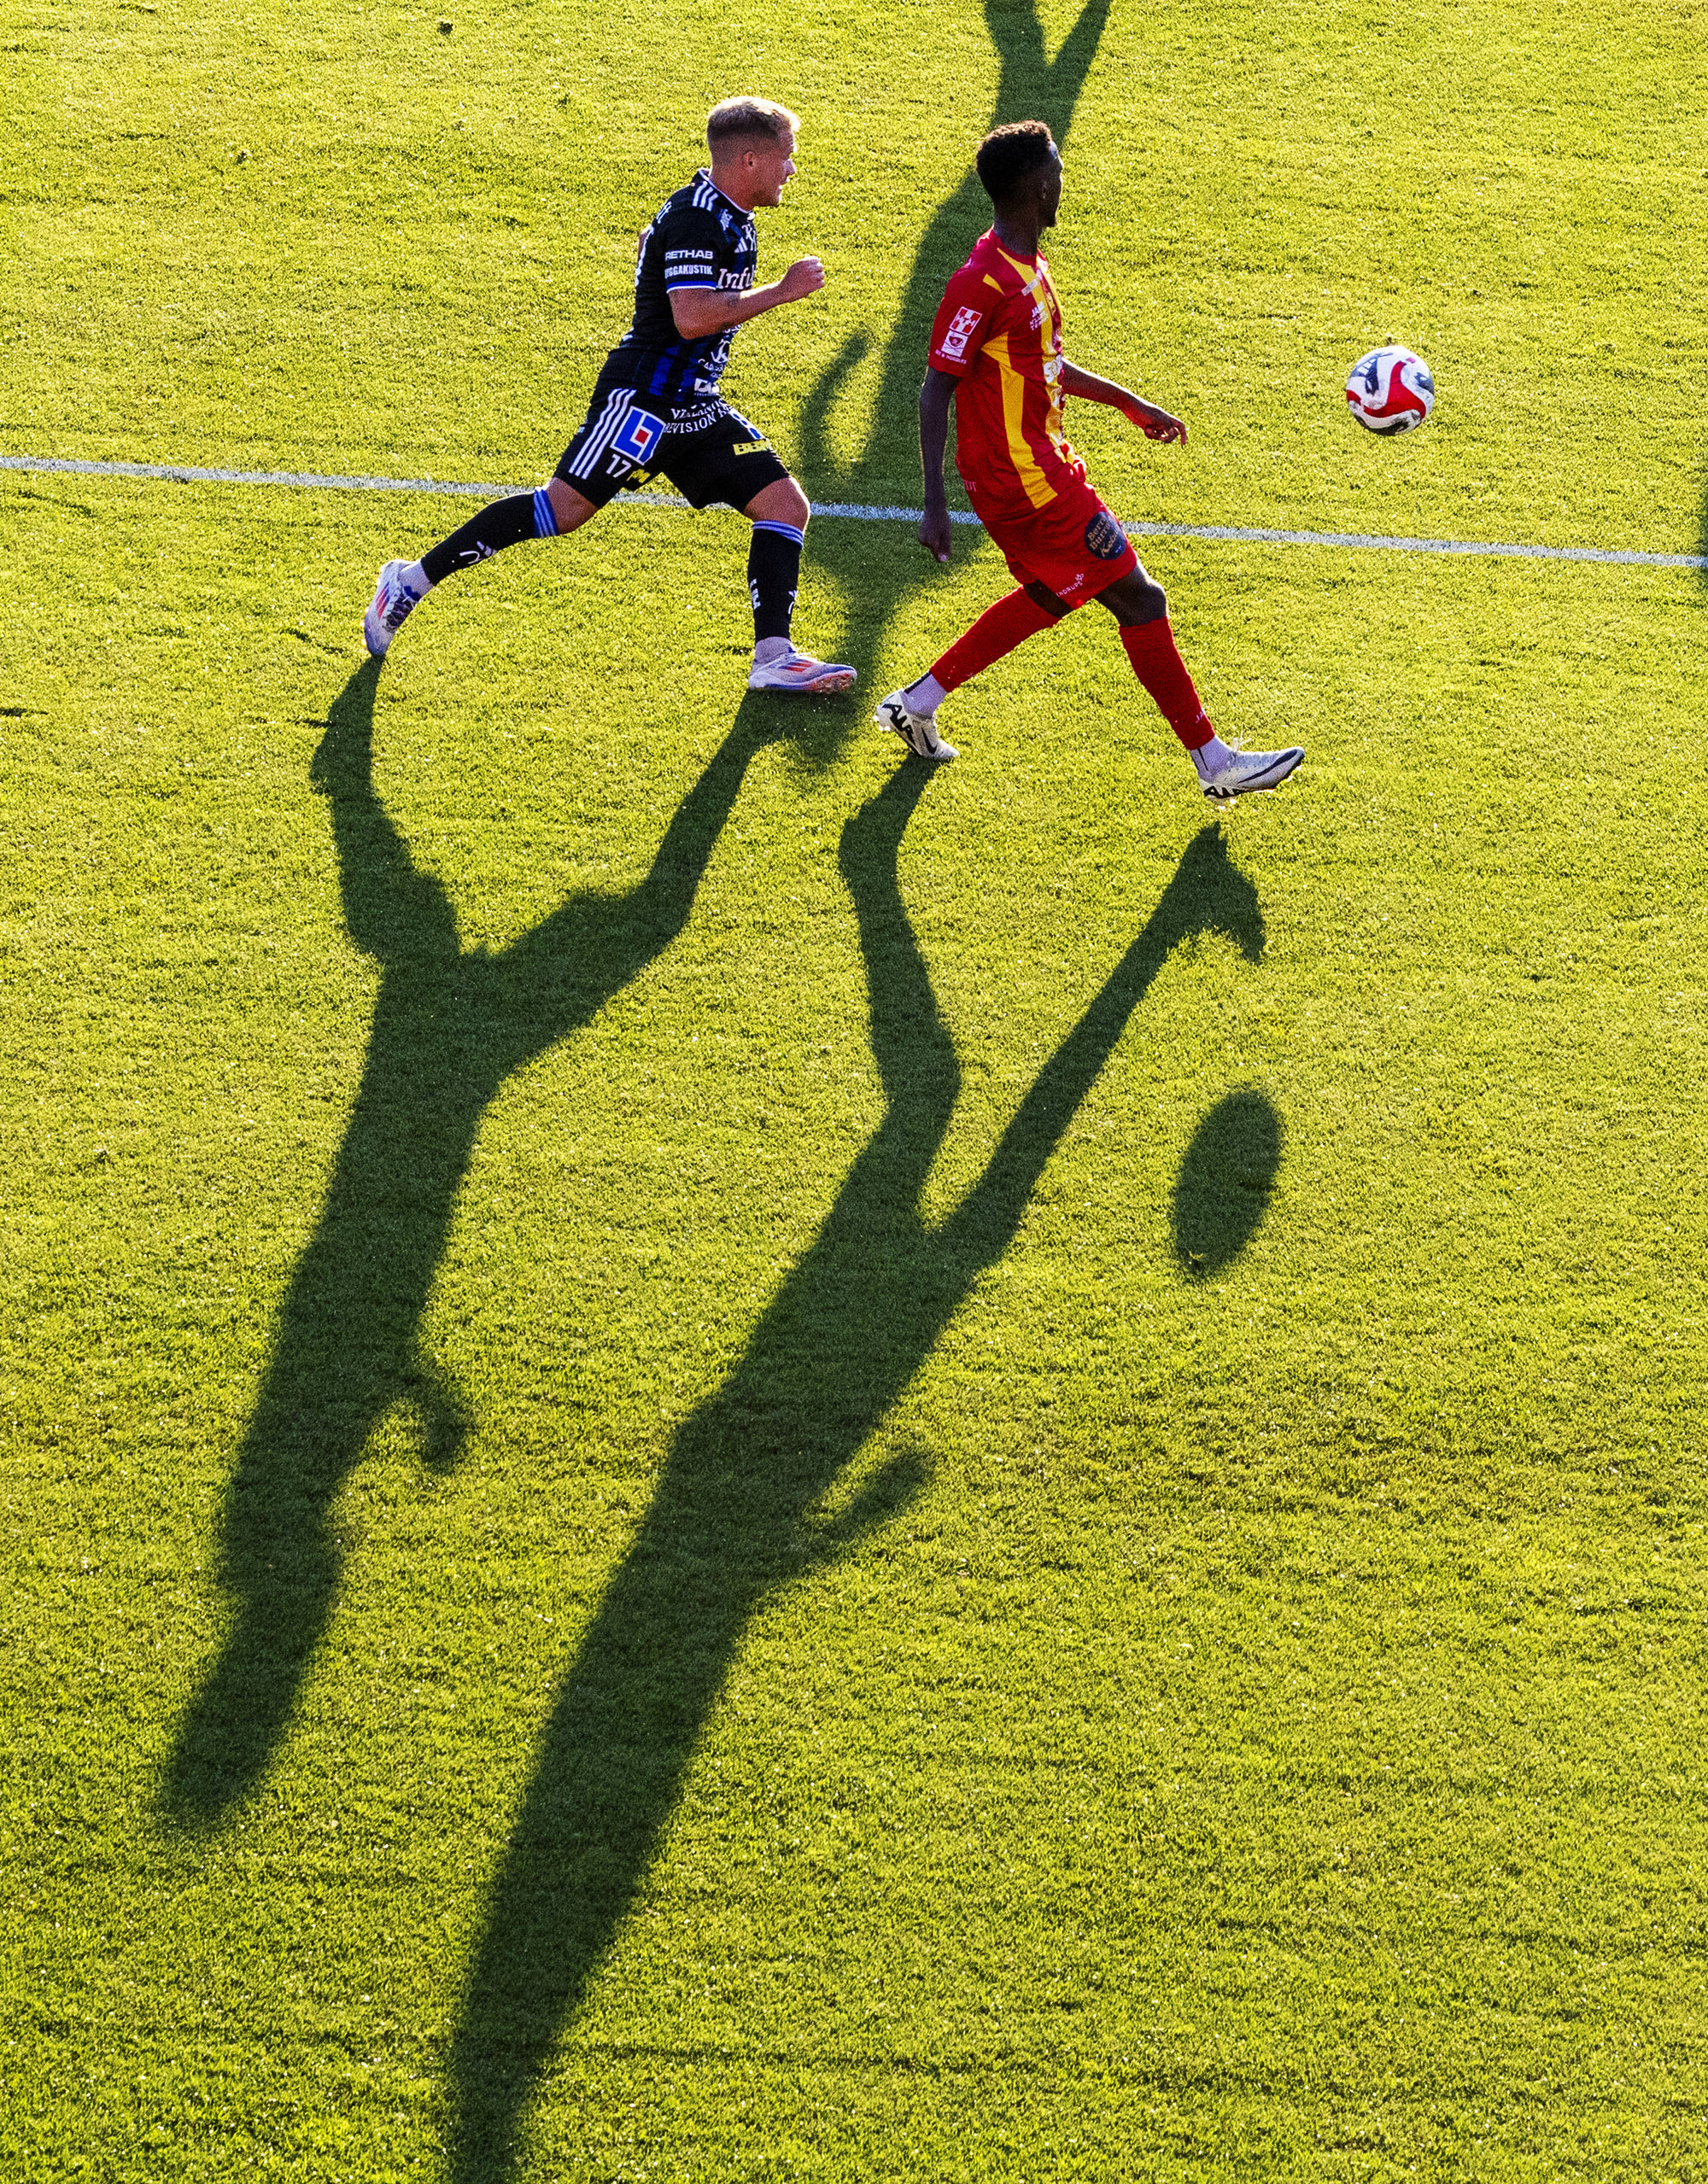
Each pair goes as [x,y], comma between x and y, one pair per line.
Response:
[734,1517]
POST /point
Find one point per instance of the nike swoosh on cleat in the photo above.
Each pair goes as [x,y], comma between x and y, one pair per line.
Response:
[1272,778]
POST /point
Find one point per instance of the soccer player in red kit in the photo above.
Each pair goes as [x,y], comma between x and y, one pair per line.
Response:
[996,354]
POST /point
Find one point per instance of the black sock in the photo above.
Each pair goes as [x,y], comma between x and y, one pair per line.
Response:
[773,573]
[504,523]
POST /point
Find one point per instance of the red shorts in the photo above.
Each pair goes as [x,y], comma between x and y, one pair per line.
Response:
[1074,546]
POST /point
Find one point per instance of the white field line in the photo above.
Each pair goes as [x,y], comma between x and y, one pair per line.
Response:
[182,474]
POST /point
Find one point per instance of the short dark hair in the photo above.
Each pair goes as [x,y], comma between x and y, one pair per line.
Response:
[738,117]
[1011,153]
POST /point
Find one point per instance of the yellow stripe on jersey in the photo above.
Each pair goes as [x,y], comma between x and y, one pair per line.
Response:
[1038,489]
[1030,276]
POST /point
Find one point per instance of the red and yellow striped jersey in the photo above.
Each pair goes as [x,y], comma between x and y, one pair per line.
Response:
[998,331]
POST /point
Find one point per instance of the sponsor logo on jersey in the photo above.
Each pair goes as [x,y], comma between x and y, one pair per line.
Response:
[638,436]
[1104,537]
[958,333]
[749,446]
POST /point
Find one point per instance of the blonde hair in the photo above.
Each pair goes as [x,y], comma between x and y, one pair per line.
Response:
[734,119]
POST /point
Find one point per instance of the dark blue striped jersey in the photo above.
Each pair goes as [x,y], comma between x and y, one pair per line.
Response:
[698,239]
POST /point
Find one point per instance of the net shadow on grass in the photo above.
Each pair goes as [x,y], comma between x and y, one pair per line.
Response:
[449,1026]
[890,563]
[737,1510]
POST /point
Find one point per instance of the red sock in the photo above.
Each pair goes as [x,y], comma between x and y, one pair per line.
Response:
[1159,667]
[997,631]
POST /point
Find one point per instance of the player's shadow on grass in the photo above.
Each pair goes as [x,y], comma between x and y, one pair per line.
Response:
[450,1024]
[882,564]
[1222,1192]
[739,1509]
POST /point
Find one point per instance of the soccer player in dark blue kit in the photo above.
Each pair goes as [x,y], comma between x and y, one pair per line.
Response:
[656,409]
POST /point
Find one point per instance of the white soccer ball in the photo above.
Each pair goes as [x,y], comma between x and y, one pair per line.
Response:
[1390,390]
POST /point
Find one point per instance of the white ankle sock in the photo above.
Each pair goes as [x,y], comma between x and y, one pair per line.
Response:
[925,696]
[771,648]
[416,577]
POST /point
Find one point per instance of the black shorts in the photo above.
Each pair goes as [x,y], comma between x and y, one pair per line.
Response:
[708,452]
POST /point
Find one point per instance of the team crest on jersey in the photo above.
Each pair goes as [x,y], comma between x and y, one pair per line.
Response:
[959,333]
[1104,537]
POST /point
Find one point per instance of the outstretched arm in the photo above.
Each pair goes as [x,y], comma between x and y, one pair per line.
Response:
[1153,423]
[590,946]
[934,399]
[1207,894]
[700,311]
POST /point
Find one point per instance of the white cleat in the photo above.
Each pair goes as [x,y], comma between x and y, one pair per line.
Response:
[800,672]
[1243,772]
[918,731]
[392,604]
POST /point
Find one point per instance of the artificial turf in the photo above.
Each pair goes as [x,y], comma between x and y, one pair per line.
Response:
[721,1462]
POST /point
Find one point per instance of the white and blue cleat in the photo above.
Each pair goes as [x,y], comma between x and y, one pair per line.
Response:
[801,673]
[394,601]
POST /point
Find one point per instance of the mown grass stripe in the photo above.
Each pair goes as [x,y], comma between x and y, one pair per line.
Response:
[1226,534]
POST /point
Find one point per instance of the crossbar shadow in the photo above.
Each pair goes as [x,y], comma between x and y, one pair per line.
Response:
[883,565]
[737,1509]
[450,1025]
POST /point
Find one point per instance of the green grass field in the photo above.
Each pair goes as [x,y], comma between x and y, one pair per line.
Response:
[721,1462]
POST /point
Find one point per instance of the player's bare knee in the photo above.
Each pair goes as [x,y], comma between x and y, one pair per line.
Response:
[1135,598]
[570,508]
[1042,596]
[782,502]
